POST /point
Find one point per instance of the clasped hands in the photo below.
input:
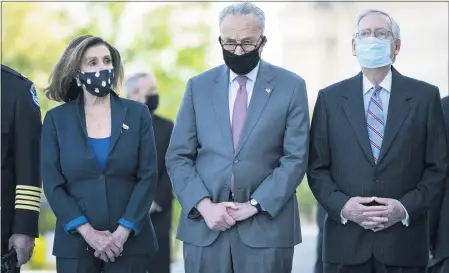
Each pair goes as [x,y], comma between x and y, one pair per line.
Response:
[224,215]
[108,246]
[384,214]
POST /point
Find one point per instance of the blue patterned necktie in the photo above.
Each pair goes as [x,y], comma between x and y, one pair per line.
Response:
[375,120]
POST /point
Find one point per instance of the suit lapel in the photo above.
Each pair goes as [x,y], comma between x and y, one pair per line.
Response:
[81,115]
[258,101]
[354,108]
[398,110]
[220,100]
[82,119]
[118,113]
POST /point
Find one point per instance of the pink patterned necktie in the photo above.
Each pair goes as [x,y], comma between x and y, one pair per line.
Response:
[239,115]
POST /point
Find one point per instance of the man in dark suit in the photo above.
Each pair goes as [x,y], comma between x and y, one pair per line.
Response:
[143,87]
[439,220]
[21,176]
[378,158]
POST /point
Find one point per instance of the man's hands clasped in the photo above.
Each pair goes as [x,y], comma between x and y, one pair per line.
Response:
[108,246]
[224,215]
[382,215]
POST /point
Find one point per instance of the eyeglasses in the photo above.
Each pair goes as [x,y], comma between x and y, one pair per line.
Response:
[380,34]
[247,46]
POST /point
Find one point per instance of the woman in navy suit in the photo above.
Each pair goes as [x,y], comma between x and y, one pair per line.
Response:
[98,164]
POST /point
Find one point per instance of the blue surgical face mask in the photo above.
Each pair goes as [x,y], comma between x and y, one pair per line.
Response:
[373,53]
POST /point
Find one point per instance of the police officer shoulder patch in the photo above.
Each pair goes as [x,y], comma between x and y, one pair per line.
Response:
[33,93]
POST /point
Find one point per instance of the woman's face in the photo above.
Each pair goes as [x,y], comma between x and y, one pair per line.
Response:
[96,58]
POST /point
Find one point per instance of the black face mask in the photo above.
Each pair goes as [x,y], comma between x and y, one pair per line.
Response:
[152,102]
[242,64]
[97,83]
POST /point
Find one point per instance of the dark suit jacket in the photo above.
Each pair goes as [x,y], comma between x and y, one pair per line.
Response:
[160,261]
[411,168]
[162,133]
[320,216]
[439,216]
[75,186]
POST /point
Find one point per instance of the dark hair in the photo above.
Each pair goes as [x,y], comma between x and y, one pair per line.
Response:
[63,87]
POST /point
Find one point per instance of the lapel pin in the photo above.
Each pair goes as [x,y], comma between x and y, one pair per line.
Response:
[268,90]
[124,126]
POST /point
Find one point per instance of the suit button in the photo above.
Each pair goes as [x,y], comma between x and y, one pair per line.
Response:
[236,161]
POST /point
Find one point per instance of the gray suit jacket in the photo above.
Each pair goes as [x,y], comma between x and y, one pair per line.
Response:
[269,162]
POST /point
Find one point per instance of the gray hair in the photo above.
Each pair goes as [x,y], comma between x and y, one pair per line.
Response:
[244,8]
[395,29]
[132,83]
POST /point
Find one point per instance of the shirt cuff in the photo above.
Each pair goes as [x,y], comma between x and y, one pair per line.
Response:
[342,218]
[78,221]
[128,224]
[405,221]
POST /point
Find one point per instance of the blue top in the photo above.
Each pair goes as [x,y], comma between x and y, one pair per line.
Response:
[101,149]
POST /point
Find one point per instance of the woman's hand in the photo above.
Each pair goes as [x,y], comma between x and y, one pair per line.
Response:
[101,241]
[115,248]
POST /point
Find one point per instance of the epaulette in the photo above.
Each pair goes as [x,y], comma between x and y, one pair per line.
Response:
[12,71]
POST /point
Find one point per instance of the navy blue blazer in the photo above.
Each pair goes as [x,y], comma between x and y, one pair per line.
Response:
[79,191]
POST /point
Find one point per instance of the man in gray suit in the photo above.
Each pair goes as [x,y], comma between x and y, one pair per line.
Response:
[378,157]
[238,151]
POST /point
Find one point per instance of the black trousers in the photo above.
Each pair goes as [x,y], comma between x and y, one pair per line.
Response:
[161,260]
[319,253]
[441,267]
[372,266]
[91,264]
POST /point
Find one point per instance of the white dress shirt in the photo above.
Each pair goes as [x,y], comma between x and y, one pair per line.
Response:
[385,97]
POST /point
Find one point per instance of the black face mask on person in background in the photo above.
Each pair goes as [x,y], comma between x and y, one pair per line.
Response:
[97,83]
[242,64]
[152,101]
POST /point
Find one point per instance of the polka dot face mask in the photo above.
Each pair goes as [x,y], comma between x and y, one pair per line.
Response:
[97,83]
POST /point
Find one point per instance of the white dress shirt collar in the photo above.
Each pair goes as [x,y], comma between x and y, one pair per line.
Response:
[252,75]
[385,84]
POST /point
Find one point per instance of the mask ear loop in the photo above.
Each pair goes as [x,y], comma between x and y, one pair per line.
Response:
[396,47]
[77,79]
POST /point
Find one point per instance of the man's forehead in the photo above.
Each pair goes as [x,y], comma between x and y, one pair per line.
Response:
[239,26]
[146,80]
[375,20]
